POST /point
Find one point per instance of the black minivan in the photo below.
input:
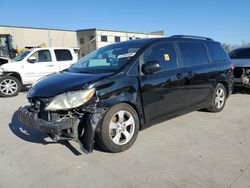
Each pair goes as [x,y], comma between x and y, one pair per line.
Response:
[112,93]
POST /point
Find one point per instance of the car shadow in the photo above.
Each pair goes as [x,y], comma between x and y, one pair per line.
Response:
[25,88]
[32,135]
[241,90]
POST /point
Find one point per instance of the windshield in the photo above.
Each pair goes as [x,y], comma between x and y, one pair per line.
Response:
[107,59]
[240,54]
[21,56]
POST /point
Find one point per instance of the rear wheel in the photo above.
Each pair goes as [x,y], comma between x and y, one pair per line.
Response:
[219,99]
[9,86]
[119,128]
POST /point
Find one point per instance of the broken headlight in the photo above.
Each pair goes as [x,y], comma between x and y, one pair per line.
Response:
[70,100]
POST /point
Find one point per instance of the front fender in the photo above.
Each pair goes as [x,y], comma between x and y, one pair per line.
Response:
[103,101]
[15,74]
[95,114]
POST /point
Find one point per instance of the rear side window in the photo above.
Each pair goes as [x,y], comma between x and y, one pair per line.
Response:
[163,53]
[240,54]
[63,55]
[193,53]
[217,52]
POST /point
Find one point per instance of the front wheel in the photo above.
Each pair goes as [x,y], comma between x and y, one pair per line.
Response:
[119,128]
[9,86]
[219,99]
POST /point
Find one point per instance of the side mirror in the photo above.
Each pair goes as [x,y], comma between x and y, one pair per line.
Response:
[151,67]
[32,59]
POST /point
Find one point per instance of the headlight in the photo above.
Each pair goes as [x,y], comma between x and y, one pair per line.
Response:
[70,100]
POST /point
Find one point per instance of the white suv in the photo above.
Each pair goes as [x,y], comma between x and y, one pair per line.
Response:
[32,65]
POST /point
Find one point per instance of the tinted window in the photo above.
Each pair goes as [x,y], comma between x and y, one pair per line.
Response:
[164,53]
[130,38]
[217,52]
[104,38]
[117,39]
[63,55]
[42,56]
[240,54]
[193,53]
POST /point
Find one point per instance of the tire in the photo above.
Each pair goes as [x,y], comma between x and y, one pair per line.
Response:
[9,86]
[119,128]
[218,100]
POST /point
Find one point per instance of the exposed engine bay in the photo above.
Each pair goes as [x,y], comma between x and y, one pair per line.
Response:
[75,124]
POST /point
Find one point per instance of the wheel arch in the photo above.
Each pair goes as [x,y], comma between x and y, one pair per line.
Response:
[16,75]
[137,111]
[225,84]
[130,103]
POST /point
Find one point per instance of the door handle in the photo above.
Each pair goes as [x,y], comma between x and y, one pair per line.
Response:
[50,65]
[179,76]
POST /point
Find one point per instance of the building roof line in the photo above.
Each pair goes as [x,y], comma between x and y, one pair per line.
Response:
[25,27]
[90,29]
[109,30]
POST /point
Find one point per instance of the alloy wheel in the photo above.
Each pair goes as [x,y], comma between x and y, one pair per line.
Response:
[220,98]
[8,86]
[121,127]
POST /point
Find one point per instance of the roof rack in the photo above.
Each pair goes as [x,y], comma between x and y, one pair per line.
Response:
[191,37]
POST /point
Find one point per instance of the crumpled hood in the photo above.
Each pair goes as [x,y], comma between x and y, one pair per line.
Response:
[56,84]
[241,62]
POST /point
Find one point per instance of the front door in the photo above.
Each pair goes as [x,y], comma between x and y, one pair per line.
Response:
[41,65]
[163,92]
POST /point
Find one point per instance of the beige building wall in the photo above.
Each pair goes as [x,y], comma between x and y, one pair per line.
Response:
[124,36]
[90,39]
[28,37]
[87,40]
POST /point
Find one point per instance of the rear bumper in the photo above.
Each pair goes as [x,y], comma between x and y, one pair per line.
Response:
[52,128]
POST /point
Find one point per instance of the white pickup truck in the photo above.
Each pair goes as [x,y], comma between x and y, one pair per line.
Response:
[32,65]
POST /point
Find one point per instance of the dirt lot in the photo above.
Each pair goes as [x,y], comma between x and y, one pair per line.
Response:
[196,150]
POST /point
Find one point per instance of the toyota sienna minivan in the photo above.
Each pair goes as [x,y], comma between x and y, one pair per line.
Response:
[112,93]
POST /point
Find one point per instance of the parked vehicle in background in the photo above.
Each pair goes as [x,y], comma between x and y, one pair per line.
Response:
[112,93]
[32,65]
[241,60]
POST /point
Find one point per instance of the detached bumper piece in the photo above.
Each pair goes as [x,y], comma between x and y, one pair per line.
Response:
[81,129]
[64,129]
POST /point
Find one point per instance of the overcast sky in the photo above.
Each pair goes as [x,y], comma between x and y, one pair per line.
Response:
[224,20]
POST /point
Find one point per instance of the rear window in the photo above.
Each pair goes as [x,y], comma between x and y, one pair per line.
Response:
[240,54]
[217,52]
[193,53]
[63,55]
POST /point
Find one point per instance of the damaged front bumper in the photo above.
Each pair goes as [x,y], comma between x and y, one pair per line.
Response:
[51,128]
[80,129]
